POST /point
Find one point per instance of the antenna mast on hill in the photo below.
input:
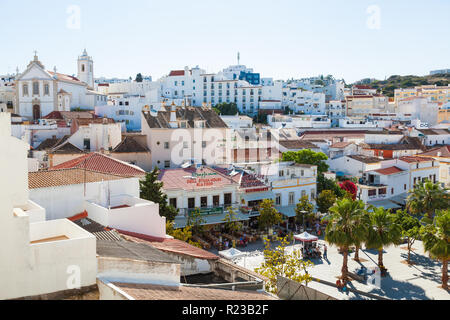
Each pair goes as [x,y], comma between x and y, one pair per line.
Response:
[239,58]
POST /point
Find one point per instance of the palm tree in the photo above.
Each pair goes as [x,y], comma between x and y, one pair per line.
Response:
[426,198]
[436,241]
[383,231]
[364,222]
[344,227]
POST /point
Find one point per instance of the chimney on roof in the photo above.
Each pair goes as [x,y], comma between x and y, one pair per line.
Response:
[173,116]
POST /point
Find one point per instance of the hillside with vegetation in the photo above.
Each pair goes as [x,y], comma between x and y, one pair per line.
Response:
[388,86]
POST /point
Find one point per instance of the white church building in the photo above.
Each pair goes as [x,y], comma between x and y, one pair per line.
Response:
[39,92]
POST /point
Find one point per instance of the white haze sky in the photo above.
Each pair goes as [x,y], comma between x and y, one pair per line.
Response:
[280,39]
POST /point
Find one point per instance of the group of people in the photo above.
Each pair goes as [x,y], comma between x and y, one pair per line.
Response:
[313,251]
[227,244]
[243,241]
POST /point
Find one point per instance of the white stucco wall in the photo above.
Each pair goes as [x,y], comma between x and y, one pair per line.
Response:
[67,201]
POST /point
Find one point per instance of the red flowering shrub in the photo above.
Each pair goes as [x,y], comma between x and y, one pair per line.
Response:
[350,187]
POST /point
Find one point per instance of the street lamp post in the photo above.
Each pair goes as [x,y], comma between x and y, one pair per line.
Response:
[303,218]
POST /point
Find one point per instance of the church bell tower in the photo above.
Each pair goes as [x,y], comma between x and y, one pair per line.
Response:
[86,69]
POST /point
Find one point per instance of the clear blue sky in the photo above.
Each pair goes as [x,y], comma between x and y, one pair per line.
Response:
[279,39]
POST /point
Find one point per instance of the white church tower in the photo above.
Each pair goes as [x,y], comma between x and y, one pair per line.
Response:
[86,69]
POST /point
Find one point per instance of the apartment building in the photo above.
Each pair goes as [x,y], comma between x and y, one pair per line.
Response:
[434,93]
[388,186]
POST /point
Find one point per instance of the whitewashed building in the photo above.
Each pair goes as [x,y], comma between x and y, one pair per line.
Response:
[39,92]
[301,101]
[394,179]
[237,121]
[280,121]
[289,182]
[36,258]
[419,108]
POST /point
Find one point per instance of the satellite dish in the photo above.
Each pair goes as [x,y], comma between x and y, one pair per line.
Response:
[186,165]
[233,173]
[153,112]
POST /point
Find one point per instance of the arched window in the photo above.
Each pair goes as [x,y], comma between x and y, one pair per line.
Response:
[25,89]
[82,68]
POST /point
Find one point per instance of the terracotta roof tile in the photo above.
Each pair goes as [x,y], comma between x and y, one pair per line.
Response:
[129,144]
[175,73]
[341,145]
[47,144]
[69,115]
[101,163]
[66,148]
[297,144]
[170,245]
[66,77]
[444,152]
[414,159]
[388,171]
[365,159]
[63,177]
[192,178]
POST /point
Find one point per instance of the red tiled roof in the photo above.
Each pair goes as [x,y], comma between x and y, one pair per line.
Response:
[175,73]
[413,159]
[66,77]
[101,163]
[170,245]
[445,152]
[87,122]
[64,177]
[340,145]
[359,86]
[79,216]
[297,144]
[388,171]
[69,115]
[192,178]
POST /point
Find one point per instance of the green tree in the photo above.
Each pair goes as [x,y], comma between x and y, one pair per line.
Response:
[151,189]
[268,215]
[325,200]
[307,207]
[277,262]
[410,227]
[231,221]
[195,220]
[183,234]
[426,198]
[383,231]
[139,78]
[260,118]
[343,228]
[329,184]
[226,109]
[436,241]
[307,156]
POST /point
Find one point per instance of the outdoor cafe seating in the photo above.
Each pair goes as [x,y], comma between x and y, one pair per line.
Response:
[310,247]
